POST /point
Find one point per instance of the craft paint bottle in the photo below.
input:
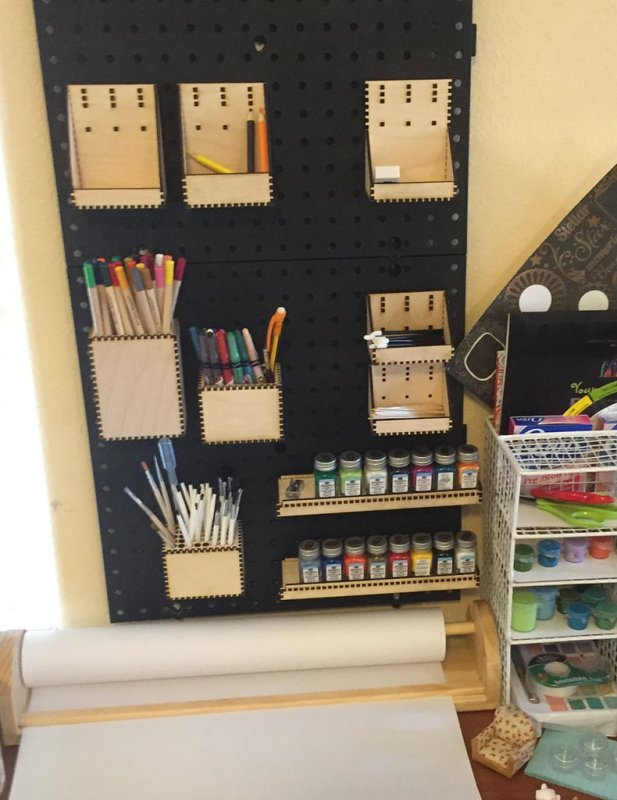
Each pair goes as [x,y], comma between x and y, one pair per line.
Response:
[350,473]
[354,561]
[465,552]
[398,557]
[377,547]
[443,546]
[326,477]
[309,561]
[332,560]
[398,471]
[467,466]
[375,472]
[422,469]
[421,554]
[445,468]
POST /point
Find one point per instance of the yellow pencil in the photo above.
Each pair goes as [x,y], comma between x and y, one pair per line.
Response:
[210,164]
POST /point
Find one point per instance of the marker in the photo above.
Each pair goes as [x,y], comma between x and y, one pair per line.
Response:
[93,298]
[252,354]
[151,295]
[221,346]
[103,305]
[124,314]
[217,374]
[178,277]
[167,296]
[244,358]
[234,357]
[210,164]
[142,302]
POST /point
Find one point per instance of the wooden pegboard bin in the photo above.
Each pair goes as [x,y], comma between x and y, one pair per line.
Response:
[214,124]
[407,126]
[114,146]
[242,413]
[137,384]
[292,589]
[404,311]
[203,571]
[422,387]
[308,504]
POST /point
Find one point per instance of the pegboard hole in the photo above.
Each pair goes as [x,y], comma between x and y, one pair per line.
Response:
[260,43]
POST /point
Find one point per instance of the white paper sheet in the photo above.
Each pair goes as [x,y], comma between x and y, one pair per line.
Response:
[397,750]
[218,687]
[232,645]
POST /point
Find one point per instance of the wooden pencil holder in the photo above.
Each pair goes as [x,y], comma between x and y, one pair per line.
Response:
[420,387]
[409,311]
[408,150]
[242,412]
[201,571]
[138,388]
[214,125]
[114,145]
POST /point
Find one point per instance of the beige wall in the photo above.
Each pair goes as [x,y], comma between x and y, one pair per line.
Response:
[543,131]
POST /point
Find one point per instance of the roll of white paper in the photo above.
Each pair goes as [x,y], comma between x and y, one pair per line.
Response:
[228,646]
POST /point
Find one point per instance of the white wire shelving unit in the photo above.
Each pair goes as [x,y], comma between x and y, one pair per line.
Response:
[514,465]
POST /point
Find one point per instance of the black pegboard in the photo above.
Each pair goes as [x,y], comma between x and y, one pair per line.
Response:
[318,249]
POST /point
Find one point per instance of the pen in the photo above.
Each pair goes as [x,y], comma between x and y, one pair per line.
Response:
[124,314]
[244,358]
[118,327]
[250,142]
[93,298]
[131,308]
[142,301]
[210,164]
[178,277]
[217,375]
[252,354]
[262,143]
[221,346]
[234,357]
[167,296]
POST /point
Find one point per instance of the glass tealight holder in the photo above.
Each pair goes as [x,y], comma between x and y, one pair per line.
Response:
[565,756]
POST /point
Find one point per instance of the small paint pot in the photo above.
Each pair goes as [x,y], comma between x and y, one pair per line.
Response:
[565,598]
[575,550]
[548,553]
[523,557]
[605,615]
[593,595]
[578,615]
[601,546]
[524,610]
[547,599]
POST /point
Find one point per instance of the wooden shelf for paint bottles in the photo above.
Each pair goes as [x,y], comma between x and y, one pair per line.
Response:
[292,589]
[307,503]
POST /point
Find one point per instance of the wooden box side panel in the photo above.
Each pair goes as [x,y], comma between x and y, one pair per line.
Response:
[240,189]
[208,573]
[241,414]
[138,387]
[114,136]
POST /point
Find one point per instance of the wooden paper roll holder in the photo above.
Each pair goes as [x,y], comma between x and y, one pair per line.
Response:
[471,669]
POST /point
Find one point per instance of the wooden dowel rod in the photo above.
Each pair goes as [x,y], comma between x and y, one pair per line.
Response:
[460,628]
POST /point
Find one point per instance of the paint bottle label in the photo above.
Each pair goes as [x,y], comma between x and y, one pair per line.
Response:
[355,571]
[400,567]
[423,481]
[468,478]
[400,483]
[352,487]
[327,487]
[445,565]
[466,563]
[334,572]
[377,570]
[422,566]
[445,481]
[377,485]
[310,574]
